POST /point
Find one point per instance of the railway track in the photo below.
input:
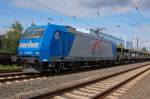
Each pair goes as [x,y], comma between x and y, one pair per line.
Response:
[11,74]
[8,78]
[97,88]
[9,71]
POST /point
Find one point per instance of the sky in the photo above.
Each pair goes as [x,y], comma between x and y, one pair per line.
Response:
[119,17]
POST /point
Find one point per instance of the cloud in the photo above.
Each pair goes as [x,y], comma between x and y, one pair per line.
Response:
[143,4]
[2,32]
[104,3]
[89,8]
[83,8]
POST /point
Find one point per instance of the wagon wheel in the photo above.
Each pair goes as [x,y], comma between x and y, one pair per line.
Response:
[74,66]
[57,67]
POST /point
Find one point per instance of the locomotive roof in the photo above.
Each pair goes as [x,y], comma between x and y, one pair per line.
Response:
[91,33]
[80,31]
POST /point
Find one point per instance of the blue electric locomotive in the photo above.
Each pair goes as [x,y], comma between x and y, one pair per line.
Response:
[55,47]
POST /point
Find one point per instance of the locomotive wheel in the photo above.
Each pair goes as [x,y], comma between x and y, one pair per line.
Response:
[73,66]
[57,67]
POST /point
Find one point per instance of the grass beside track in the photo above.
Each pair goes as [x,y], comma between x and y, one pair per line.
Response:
[9,67]
[6,51]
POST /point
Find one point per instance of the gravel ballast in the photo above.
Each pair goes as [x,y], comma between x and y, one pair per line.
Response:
[53,82]
[141,90]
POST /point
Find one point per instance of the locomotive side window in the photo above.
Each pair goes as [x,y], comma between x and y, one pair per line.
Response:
[57,35]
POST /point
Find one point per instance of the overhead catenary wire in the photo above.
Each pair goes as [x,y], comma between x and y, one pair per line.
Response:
[9,15]
[74,16]
[134,17]
[137,18]
[140,20]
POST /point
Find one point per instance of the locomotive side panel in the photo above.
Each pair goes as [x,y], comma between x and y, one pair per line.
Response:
[91,48]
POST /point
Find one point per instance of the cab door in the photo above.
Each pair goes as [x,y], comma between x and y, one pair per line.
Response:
[63,44]
[59,45]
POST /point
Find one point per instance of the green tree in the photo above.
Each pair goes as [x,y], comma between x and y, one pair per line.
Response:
[12,37]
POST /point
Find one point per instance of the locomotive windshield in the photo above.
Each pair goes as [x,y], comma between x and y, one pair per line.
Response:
[33,33]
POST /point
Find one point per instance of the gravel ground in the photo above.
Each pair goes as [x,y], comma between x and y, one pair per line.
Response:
[53,82]
[140,90]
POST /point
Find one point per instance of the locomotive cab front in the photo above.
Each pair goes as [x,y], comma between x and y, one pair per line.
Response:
[29,45]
